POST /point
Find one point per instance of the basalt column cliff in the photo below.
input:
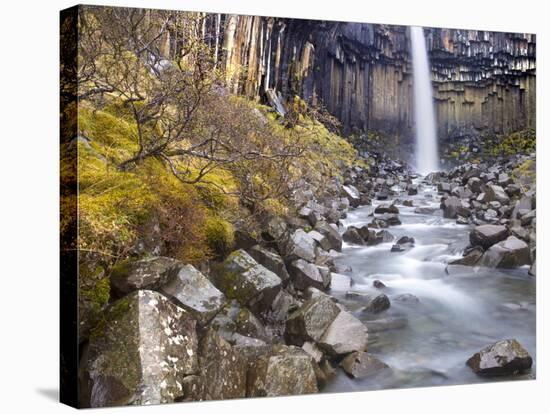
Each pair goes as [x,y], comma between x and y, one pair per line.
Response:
[362,73]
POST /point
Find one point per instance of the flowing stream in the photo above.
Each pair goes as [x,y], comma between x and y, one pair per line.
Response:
[457,314]
[427,159]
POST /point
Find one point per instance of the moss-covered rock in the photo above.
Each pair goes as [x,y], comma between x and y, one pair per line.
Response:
[150,273]
[283,371]
[240,277]
[140,351]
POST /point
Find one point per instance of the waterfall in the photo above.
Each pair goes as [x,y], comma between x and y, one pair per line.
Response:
[427,159]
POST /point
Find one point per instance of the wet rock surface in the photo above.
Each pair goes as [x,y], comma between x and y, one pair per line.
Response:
[288,312]
[501,358]
[362,365]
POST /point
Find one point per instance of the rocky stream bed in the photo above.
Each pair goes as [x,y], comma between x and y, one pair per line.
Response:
[384,280]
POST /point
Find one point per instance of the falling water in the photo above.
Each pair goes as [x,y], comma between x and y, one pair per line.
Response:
[426,139]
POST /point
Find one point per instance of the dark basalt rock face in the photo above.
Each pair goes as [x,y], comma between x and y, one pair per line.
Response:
[481,79]
[501,358]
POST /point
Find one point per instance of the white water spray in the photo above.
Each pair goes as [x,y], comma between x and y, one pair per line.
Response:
[427,159]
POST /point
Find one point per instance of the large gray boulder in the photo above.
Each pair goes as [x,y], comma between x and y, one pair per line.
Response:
[310,322]
[223,369]
[150,273]
[195,293]
[509,253]
[496,193]
[286,370]
[331,233]
[270,260]
[453,207]
[141,351]
[505,357]
[240,277]
[345,334]
[362,365]
[487,235]
[304,275]
[300,245]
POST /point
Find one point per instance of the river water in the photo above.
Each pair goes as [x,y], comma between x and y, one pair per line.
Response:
[457,314]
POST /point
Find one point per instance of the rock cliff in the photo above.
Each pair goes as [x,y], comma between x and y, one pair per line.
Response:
[362,73]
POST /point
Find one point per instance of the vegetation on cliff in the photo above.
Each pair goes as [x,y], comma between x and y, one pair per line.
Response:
[169,160]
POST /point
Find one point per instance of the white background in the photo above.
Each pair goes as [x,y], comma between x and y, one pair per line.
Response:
[29,204]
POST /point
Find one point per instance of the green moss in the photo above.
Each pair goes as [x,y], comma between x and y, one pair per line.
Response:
[219,235]
[519,142]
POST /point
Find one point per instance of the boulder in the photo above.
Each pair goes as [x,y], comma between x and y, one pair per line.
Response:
[379,304]
[508,253]
[300,245]
[240,277]
[150,273]
[270,260]
[362,365]
[283,305]
[378,284]
[286,370]
[382,236]
[403,244]
[470,258]
[474,184]
[378,223]
[496,193]
[311,321]
[331,233]
[453,207]
[248,325]
[321,240]
[223,369]
[345,334]
[304,275]
[487,235]
[386,208]
[391,219]
[412,190]
[141,351]
[505,357]
[275,229]
[352,194]
[351,235]
[195,293]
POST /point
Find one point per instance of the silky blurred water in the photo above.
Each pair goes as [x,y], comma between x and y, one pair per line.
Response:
[457,314]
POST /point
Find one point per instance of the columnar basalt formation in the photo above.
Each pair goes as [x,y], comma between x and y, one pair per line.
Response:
[361,73]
